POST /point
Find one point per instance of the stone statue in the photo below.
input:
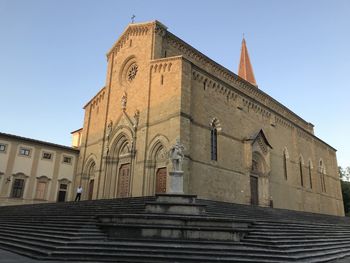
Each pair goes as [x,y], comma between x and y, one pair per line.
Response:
[109,129]
[124,100]
[136,118]
[176,156]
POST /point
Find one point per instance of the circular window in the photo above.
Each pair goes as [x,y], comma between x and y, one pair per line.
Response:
[132,72]
[128,72]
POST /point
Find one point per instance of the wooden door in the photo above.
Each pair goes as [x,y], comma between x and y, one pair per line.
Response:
[40,191]
[124,180]
[91,189]
[254,190]
[161,180]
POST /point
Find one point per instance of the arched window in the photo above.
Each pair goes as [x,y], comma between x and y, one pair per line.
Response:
[301,162]
[310,174]
[214,142]
[322,177]
[285,170]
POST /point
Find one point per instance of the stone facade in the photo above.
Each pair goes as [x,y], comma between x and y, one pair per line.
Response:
[33,171]
[241,145]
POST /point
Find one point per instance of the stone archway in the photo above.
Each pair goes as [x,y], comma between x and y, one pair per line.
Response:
[119,168]
[257,178]
[91,176]
[157,170]
[260,170]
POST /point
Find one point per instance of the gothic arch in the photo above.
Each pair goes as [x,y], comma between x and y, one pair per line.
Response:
[322,173]
[310,164]
[157,170]
[122,132]
[258,164]
[285,152]
[215,123]
[301,159]
[91,176]
[119,164]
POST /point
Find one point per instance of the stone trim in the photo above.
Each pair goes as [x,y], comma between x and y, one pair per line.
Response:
[214,166]
[239,83]
[138,29]
[95,99]
[257,106]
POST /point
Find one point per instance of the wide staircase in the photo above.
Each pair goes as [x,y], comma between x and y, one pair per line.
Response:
[70,232]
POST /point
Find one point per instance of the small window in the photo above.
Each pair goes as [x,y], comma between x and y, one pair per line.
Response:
[310,175]
[213,144]
[301,173]
[24,151]
[285,170]
[17,188]
[67,159]
[2,147]
[63,186]
[47,156]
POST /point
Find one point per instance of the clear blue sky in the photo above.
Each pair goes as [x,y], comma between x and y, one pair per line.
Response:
[52,56]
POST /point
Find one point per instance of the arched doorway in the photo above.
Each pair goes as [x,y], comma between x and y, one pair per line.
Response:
[122,171]
[124,180]
[157,171]
[256,178]
[161,180]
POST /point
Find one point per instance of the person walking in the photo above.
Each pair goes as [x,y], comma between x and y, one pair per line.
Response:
[79,191]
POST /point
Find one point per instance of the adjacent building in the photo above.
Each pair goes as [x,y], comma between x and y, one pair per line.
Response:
[33,171]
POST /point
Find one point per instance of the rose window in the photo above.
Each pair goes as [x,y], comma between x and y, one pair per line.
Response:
[132,72]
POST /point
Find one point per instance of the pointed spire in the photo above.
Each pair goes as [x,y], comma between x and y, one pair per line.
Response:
[245,70]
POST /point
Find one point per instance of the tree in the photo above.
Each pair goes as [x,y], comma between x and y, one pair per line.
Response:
[344,175]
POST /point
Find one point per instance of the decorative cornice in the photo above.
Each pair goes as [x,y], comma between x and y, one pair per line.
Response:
[97,98]
[138,29]
[235,81]
[250,103]
[164,64]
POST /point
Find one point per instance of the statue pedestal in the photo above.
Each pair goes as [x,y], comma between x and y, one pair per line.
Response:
[176,185]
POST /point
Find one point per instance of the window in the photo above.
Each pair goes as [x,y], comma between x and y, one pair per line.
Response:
[322,177]
[213,143]
[47,156]
[301,173]
[285,171]
[24,151]
[67,159]
[17,188]
[63,186]
[310,175]
[2,147]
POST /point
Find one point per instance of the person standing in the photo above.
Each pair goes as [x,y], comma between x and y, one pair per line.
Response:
[79,191]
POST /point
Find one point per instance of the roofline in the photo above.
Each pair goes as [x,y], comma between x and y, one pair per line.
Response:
[238,78]
[76,130]
[94,97]
[148,23]
[12,136]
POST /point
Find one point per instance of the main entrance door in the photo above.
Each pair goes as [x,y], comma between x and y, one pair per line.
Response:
[161,180]
[254,190]
[91,189]
[124,180]
[62,193]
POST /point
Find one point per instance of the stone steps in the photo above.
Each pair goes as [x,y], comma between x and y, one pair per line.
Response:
[69,231]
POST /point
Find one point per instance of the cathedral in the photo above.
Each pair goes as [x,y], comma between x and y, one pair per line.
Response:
[240,144]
